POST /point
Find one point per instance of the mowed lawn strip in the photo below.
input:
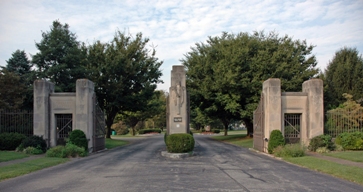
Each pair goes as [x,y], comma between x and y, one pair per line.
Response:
[350,173]
[112,143]
[11,155]
[18,169]
[240,140]
[356,156]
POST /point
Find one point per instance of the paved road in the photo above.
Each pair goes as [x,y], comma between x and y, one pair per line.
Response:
[140,167]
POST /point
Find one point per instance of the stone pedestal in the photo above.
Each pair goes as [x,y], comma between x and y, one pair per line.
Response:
[177,112]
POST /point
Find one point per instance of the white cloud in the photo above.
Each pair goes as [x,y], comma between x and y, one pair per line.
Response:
[175,26]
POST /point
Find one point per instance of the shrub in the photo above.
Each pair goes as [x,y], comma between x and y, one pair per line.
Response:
[145,131]
[322,150]
[321,141]
[276,139]
[191,133]
[9,141]
[70,150]
[33,151]
[165,136]
[216,130]
[78,138]
[33,141]
[180,143]
[292,150]
[350,141]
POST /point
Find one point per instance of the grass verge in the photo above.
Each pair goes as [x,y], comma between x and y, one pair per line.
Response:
[350,173]
[15,170]
[240,140]
[356,156]
[11,155]
[112,143]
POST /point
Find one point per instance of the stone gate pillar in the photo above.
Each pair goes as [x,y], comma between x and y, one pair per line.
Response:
[272,106]
[315,117]
[41,124]
[84,109]
[178,119]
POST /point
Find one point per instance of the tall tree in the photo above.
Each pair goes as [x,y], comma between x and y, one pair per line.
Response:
[125,74]
[12,90]
[344,74]
[20,65]
[60,57]
[225,74]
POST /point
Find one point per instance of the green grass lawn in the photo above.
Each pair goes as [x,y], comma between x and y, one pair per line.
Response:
[11,155]
[356,156]
[112,143]
[240,140]
[350,173]
[18,169]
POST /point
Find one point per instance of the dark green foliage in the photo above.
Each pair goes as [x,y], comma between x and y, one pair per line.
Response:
[70,150]
[225,74]
[10,141]
[344,74]
[276,139]
[60,57]
[191,133]
[350,141]
[179,143]
[12,90]
[216,130]
[165,136]
[34,141]
[129,68]
[33,151]
[146,131]
[77,137]
[321,141]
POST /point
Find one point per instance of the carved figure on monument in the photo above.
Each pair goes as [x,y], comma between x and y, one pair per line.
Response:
[178,94]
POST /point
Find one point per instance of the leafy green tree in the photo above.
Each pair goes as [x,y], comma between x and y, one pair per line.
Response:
[344,74]
[157,109]
[225,74]
[125,74]
[21,66]
[12,90]
[60,57]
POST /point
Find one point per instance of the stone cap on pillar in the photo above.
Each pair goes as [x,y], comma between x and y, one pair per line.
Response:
[272,82]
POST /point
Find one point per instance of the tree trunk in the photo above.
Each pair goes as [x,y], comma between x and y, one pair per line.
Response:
[225,124]
[109,123]
[249,126]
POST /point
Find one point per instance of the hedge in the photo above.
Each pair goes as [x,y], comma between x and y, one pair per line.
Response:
[180,143]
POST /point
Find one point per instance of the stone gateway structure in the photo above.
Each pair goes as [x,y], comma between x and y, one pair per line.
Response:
[177,102]
[298,115]
[57,114]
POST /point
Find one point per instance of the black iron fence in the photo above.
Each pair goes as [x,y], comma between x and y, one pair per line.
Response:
[16,121]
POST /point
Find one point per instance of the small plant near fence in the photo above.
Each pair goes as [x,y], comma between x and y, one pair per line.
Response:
[36,142]
[276,139]
[290,150]
[321,141]
[350,141]
[10,141]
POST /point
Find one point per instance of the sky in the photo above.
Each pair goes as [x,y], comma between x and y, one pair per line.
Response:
[173,27]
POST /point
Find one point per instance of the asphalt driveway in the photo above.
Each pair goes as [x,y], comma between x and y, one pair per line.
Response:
[140,167]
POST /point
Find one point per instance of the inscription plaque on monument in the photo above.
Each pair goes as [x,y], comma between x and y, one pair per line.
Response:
[177,119]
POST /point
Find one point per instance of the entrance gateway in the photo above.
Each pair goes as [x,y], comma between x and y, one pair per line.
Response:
[298,115]
[57,114]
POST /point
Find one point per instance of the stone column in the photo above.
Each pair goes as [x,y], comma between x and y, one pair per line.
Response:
[84,109]
[272,107]
[178,102]
[41,116]
[315,108]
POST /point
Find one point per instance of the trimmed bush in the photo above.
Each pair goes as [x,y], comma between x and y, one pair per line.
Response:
[276,139]
[145,131]
[179,143]
[78,138]
[292,150]
[33,141]
[33,151]
[216,130]
[10,141]
[321,141]
[70,150]
[350,141]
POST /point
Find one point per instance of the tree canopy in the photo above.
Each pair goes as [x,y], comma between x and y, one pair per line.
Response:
[125,73]
[344,74]
[12,90]
[225,74]
[60,57]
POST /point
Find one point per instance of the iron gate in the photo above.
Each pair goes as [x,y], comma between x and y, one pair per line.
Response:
[292,124]
[98,127]
[258,126]
[64,127]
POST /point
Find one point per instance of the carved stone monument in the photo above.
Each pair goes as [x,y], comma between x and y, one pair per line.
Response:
[178,102]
